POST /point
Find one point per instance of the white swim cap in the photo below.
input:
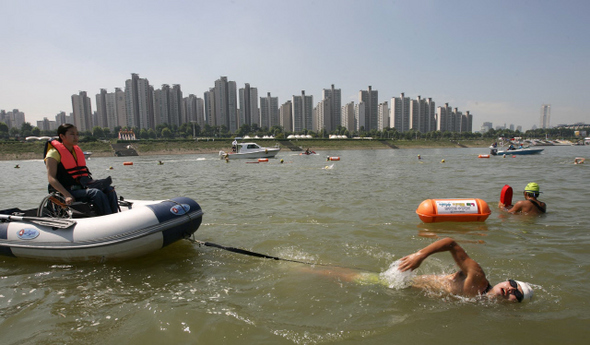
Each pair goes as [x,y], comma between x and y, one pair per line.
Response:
[527,291]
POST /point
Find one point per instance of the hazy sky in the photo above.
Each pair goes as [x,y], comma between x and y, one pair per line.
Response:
[501,60]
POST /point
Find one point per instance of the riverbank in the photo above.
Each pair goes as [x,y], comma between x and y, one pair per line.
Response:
[15,150]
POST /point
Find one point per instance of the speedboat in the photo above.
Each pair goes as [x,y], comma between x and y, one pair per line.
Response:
[140,228]
[251,150]
[87,154]
[520,151]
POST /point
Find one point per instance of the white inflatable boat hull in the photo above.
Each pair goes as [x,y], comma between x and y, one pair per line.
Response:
[146,227]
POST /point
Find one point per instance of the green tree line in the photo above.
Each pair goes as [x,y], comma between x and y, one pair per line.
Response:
[190,130]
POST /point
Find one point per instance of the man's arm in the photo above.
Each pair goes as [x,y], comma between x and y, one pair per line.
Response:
[516,208]
[463,260]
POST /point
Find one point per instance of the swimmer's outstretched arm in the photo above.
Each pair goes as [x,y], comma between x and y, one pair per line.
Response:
[463,260]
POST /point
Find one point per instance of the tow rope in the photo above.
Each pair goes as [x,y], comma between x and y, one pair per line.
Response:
[264,256]
[247,252]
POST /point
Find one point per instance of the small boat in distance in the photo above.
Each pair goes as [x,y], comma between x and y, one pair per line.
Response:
[87,154]
[520,151]
[250,150]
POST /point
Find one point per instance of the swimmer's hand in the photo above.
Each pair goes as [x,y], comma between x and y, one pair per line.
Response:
[411,262]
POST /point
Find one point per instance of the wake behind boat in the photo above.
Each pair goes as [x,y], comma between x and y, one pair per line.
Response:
[140,228]
[250,150]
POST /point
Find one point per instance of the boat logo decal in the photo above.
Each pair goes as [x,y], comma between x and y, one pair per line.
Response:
[28,234]
[179,210]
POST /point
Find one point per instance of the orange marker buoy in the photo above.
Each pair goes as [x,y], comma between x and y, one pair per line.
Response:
[453,210]
[483,156]
[263,159]
[333,158]
[127,163]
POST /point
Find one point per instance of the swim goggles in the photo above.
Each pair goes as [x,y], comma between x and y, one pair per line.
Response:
[519,296]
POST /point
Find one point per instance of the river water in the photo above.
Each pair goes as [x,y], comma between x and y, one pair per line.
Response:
[358,212]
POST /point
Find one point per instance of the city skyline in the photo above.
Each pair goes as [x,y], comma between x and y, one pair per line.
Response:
[501,61]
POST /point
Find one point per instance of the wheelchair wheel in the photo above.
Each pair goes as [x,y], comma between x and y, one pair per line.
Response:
[54,206]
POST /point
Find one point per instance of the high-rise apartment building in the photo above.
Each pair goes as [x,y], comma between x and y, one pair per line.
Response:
[269,111]
[443,118]
[82,111]
[161,99]
[13,119]
[360,116]
[348,119]
[383,118]
[370,98]
[101,109]
[286,116]
[249,113]
[400,113]
[302,112]
[422,115]
[225,108]
[139,102]
[193,108]
[322,116]
[61,118]
[467,122]
[116,115]
[209,98]
[486,126]
[545,116]
[333,118]
[177,116]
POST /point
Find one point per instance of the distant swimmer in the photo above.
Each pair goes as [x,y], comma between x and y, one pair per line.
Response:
[530,204]
[469,281]
[419,157]
[17,166]
[579,160]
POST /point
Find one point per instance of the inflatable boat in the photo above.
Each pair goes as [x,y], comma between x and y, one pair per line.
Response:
[140,228]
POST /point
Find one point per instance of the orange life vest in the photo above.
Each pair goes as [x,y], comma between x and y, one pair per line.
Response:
[73,167]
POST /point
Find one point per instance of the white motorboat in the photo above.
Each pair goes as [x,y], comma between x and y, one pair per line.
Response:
[520,151]
[251,150]
[140,228]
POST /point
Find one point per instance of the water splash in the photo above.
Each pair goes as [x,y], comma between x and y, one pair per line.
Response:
[395,278]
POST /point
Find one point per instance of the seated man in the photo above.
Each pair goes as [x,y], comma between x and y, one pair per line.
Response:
[530,204]
[67,173]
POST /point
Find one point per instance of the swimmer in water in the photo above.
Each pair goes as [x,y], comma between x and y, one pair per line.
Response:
[470,281]
[530,204]
[579,160]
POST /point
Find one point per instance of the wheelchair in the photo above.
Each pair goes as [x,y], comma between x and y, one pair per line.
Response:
[54,206]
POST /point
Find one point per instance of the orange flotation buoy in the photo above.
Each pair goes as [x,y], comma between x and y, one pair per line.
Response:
[127,163]
[483,156]
[333,158]
[263,159]
[453,210]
